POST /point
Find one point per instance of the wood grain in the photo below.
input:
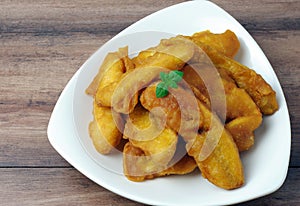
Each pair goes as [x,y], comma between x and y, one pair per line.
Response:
[58,186]
[53,186]
[42,44]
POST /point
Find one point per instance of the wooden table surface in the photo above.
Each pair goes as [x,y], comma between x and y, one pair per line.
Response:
[43,43]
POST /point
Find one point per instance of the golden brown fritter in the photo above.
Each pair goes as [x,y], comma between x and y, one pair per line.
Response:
[130,85]
[180,108]
[157,142]
[242,114]
[219,159]
[170,54]
[137,166]
[114,67]
[223,166]
[259,90]
[112,60]
[207,86]
[227,43]
[104,129]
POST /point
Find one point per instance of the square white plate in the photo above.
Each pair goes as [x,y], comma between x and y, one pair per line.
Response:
[265,165]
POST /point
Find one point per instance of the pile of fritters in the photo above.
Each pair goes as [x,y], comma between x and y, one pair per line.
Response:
[189,128]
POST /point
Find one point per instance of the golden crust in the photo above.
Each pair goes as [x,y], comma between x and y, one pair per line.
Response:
[180,108]
[104,129]
[242,114]
[114,68]
[221,163]
[259,90]
[114,65]
[137,166]
[227,43]
[223,166]
[158,143]
[170,54]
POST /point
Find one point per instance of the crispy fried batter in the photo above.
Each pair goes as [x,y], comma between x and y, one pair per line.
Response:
[138,166]
[171,54]
[130,85]
[259,90]
[184,166]
[115,66]
[207,86]
[159,142]
[242,114]
[141,125]
[223,166]
[194,79]
[180,108]
[139,60]
[103,129]
[227,43]
[111,60]
[128,63]
[216,152]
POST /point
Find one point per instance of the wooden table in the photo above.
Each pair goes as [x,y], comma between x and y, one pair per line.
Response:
[43,43]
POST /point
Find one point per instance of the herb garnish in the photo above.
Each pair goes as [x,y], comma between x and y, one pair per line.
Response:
[168,80]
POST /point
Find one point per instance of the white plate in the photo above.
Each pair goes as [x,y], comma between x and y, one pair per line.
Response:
[265,165]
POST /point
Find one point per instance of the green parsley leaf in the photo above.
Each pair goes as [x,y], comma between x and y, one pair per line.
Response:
[177,75]
[172,84]
[161,90]
[168,80]
[163,76]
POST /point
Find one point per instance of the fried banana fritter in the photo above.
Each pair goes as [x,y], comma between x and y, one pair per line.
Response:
[219,158]
[138,166]
[242,114]
[227,43]
[109,61]
[171,54]
[223,166]
[130,85]
[159,143]
[180,108]
[104,129]
[115,66]
[259,90]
